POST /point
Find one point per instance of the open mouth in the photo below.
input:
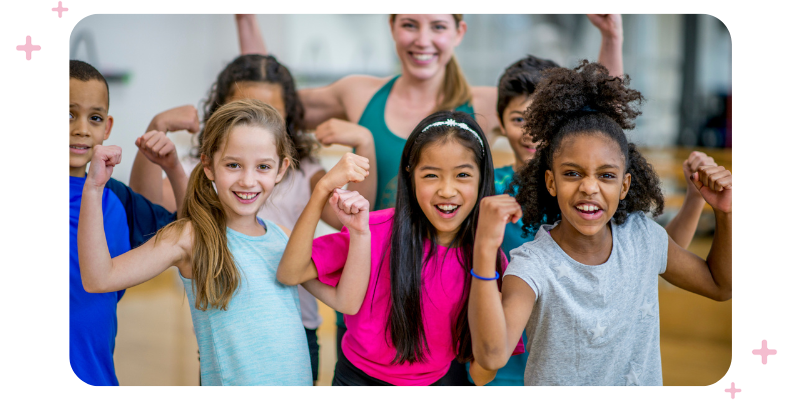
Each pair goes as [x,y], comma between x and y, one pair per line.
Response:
[79,148]
[589,211]
[247,197]
[447,210]
[422,58]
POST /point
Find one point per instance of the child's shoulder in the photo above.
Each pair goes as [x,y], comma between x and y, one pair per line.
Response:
[381,216]
[640,224]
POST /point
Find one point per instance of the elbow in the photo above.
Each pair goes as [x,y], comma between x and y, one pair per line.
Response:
[490,358]
[724,295]
[351,309]
[93,287]
[287,279]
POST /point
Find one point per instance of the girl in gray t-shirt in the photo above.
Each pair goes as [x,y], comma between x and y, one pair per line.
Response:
[585,289]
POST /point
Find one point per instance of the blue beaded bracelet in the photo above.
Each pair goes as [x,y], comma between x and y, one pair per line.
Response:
[496,276]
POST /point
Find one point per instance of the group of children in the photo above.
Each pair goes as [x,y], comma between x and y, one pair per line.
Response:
[420,280]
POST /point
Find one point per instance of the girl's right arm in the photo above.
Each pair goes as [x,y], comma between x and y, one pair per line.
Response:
[99,272]
[496,320]
[296,265]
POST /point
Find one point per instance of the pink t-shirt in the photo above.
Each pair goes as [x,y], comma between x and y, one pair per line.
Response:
[367,343]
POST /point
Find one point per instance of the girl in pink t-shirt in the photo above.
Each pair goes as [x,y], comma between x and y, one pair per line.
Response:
[413,321]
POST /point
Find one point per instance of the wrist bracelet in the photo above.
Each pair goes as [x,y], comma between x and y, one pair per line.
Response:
[496,276]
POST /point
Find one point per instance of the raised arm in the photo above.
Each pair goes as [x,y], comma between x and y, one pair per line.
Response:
[683,226]
[710,278]
[610,26]
[347,296]
[296,265]
[359,138]
[160,151]
[250,39]
[496,321]
[145,176]
[99,272]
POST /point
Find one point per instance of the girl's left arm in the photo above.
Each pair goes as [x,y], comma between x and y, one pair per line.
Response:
[683,226]
[710,278]
[610,26]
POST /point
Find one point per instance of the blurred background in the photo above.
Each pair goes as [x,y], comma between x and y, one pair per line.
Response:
[680,63]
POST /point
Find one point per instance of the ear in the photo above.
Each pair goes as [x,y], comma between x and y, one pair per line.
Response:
[550,182]
[282,169]
[626,185]
[500,128]
[207,167]
[109,124]
[462,29]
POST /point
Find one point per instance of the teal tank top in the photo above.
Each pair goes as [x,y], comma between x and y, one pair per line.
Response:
[259,339]
[388,146]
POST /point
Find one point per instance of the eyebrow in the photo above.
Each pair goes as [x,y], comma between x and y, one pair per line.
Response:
[430,167]
[517,112]
[235,158]
[100,109]
[604,166]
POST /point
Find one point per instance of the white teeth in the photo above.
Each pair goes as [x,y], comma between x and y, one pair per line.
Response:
[246,196]
[447,207]
[587,207]
[423,57]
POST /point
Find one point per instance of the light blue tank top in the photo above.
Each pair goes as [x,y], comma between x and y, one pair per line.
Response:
[259,339]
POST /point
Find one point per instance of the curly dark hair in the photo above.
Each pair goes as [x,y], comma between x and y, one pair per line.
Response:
[581,101]
[267,69]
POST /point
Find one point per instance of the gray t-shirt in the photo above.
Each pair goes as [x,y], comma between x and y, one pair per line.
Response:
[595,324]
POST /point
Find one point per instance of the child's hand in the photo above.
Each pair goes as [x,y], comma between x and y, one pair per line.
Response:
[102,165]
[345,133]
[351,168]
[609,25]
[352,210]
[158,149]
[183,118]
[715,183]
[696,160]
[495,213]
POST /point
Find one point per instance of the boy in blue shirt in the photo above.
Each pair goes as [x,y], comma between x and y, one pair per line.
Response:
[129,221]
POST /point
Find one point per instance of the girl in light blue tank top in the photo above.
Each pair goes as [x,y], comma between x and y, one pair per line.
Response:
[248,325]
[229,358]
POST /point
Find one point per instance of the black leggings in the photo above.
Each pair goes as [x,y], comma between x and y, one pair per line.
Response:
[347,374]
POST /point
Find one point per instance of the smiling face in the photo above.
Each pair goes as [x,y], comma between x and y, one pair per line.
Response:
[245,170]
[588,178]
[513,123]
[89,122]
[446,180]
[270,93]
[425,42]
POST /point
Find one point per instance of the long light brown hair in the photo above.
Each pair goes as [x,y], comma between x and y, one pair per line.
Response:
[455,90]
[215,277]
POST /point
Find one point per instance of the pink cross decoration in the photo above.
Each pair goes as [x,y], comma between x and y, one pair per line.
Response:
[28,48]
[764,352]
[60,9]
[733,390]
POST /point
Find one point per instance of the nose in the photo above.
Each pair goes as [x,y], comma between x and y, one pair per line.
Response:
[589,185]
[447,189]
[79,127]
[423,38]
[247,178]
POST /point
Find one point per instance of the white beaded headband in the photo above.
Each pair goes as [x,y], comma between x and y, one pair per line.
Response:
[452,122]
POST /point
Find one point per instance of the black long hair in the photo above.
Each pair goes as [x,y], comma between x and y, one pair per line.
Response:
[582,101]
[260,68]
[410,230]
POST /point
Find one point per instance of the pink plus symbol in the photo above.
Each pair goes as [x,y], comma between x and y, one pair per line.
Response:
[733,390]
[28,48]
[60,9]
[764,352]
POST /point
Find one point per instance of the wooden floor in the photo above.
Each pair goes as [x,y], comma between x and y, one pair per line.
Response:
[156,344]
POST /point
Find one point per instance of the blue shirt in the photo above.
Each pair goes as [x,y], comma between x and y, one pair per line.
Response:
[128,221]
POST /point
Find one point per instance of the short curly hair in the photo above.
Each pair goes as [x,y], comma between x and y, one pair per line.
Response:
[584,100]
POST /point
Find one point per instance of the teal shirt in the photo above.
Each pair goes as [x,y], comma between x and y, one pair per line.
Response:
[259,339]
